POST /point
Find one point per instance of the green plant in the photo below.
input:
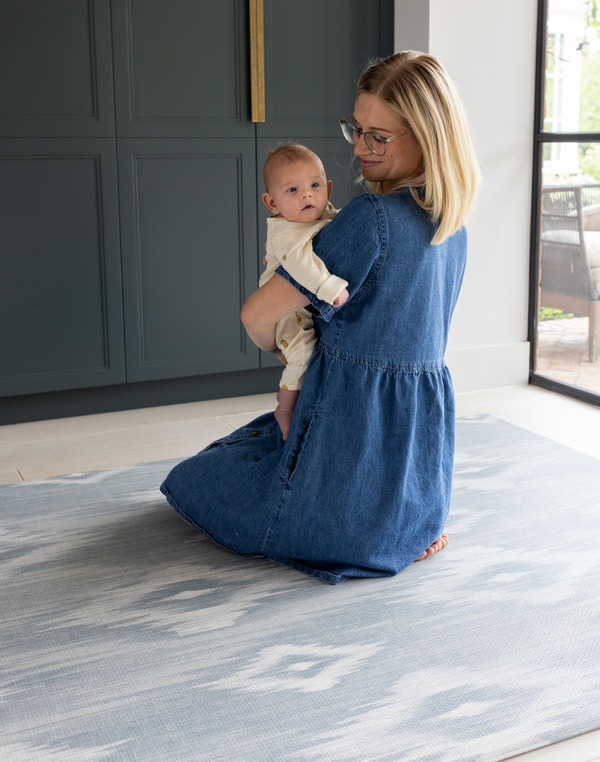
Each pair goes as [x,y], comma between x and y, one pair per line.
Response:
[547,313]
[589,110]
[592,15]
[590,161]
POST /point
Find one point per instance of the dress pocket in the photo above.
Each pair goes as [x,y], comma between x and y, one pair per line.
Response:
[257,430]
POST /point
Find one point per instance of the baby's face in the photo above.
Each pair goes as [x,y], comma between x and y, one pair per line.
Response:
[299,192]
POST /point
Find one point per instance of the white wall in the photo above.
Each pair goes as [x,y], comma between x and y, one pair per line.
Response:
[488,48]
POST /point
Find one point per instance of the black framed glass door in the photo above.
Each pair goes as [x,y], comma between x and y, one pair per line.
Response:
[564,322]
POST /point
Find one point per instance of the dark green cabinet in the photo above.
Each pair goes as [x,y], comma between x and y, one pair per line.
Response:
[181,68]
[131,226]
[56,64]
[188,233]
[61,323]
[313,59]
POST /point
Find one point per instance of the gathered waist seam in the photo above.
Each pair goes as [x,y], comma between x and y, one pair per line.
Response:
[377,365]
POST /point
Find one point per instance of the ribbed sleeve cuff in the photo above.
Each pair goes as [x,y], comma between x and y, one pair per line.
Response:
[331,288]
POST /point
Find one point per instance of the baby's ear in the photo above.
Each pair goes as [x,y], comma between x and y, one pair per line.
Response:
[269,202]
[329,187]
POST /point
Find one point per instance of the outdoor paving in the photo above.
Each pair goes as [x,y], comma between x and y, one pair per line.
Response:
[563,353]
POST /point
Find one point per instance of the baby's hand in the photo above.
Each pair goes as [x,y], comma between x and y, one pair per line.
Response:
[341,298]
[265,261]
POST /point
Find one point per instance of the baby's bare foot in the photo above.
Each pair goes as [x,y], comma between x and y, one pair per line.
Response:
[438,544]
[284,411]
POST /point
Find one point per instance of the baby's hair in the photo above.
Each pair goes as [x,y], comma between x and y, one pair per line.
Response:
[287,154]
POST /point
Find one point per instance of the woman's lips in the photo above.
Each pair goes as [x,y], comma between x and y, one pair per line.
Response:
[367,163]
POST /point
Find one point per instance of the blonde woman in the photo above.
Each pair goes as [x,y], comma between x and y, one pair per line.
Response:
[361,487]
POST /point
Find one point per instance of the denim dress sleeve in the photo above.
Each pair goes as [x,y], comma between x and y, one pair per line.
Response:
[350,246]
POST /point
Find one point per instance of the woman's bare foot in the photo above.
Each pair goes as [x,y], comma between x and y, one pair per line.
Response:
[438,544]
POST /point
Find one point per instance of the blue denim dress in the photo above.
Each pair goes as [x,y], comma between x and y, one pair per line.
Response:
[362,485]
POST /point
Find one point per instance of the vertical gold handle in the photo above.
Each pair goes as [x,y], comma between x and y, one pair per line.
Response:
[257,60]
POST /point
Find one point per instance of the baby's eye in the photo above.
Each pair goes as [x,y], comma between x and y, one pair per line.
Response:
[291,190]
[315,185]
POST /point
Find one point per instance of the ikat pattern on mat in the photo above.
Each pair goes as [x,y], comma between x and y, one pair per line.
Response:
[125,635]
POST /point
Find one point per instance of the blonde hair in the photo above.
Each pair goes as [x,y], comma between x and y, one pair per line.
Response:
[417,90]
[288,154]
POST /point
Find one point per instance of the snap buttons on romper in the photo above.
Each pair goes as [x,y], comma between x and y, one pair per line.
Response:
[254,433]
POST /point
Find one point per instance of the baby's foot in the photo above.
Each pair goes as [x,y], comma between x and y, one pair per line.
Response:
[284,419]
[438,544]
[284,411]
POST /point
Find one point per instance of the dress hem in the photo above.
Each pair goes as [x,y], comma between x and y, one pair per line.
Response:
[332,579]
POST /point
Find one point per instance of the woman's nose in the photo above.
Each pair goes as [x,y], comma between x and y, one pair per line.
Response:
[360,147]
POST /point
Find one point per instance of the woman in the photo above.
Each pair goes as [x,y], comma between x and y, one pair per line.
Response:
[362,485]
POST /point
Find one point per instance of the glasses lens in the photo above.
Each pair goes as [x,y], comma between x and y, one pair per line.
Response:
[349,131]
[375,143]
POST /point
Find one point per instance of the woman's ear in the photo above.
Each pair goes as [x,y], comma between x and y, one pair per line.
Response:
[269,202]
[329,187]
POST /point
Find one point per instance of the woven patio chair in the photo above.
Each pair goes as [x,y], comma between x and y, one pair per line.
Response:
[566,281]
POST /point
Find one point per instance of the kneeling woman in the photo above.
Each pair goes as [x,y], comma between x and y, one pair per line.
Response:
[361,487]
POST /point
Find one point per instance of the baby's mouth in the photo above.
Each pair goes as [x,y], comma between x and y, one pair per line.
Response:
[308,206]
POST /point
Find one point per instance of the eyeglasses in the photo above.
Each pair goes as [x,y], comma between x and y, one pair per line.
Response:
[375,143]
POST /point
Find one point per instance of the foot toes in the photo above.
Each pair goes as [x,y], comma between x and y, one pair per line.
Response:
[436,545]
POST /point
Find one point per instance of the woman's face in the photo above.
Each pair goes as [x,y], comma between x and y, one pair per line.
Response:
[403,158]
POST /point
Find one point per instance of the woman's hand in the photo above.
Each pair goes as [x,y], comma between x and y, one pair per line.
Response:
[266,306]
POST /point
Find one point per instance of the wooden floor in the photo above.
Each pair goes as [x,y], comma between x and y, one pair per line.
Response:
[71,445]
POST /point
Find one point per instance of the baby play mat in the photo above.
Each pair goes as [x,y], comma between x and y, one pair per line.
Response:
[125,635]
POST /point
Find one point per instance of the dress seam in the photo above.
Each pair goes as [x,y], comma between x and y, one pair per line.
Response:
[414,368]
[383,238]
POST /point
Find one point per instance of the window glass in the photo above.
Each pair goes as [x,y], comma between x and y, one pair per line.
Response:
[568,314]
[572,90]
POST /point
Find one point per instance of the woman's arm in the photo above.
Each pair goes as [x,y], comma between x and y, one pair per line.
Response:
[268,304]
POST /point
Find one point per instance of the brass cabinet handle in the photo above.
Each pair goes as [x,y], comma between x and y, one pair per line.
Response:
[257,60]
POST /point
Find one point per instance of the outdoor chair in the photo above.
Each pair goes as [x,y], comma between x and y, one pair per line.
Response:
[570,274]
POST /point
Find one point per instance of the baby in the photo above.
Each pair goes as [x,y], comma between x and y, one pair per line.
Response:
[298,196]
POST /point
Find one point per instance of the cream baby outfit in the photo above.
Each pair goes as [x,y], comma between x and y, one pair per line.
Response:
[289,244]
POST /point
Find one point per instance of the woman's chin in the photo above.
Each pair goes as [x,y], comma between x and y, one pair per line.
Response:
[371,175]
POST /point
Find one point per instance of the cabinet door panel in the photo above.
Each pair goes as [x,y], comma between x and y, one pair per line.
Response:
[56,68]
[189,255]
[181,68]
[313,57]
[336,155]
[60,294]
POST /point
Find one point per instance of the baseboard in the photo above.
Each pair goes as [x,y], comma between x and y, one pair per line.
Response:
[107,399]
[489,367]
